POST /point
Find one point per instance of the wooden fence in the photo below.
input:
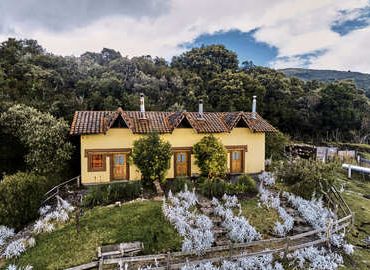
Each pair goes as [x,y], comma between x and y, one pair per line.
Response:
[52,193]
[176,260]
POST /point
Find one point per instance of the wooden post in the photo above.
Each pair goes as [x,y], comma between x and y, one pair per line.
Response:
[286,247]
[230,249]
[78,181]
[349,171]
[168,260]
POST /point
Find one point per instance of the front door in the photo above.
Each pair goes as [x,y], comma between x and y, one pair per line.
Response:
[236,161]
[182,163]
[119,167]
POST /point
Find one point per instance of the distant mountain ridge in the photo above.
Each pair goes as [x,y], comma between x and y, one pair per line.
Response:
[362,80]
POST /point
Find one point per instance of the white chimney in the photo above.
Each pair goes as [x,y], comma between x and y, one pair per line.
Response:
[200,110]
[254,107]
[142,106]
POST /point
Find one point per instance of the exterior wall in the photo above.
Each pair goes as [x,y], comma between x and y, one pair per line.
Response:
[181,137]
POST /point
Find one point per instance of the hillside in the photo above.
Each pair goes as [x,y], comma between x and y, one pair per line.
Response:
[362,80]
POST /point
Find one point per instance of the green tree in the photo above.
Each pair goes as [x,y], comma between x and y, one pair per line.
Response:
[275,145]
[44,136]
[210,156]
[152,156]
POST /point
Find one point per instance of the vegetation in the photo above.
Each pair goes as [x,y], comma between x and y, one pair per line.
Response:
[21,195]
[244,185]
[210,156]
[109,193]
[275,145]
[307,177]
[177,184]
[103,225]
[152,156]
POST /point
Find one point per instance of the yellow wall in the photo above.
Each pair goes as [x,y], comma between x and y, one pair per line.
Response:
[181,137]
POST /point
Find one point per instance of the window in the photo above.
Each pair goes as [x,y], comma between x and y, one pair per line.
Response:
[96,162]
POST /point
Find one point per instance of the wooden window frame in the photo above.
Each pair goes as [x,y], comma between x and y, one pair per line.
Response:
[90,168]
[243,149]
[188,151]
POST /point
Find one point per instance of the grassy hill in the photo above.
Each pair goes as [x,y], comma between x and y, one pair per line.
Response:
[362,80]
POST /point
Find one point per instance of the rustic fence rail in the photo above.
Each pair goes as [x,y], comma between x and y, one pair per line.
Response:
[176,260]
[52,193]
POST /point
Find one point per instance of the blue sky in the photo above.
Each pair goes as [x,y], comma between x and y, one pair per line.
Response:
[319,34]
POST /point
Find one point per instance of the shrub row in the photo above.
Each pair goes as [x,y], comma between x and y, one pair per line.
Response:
[218,187]
[21,195]
[109,193]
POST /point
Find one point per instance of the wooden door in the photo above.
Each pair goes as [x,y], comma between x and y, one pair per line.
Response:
[236,159]
[182,160]
[119,167]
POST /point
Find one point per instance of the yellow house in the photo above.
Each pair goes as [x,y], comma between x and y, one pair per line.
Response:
[107,139]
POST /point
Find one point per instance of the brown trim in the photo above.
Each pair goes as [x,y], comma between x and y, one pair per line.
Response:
[242,150]
[112,164]
[89,163]
[237,147]
[107,151]
[188,152]
[185,148]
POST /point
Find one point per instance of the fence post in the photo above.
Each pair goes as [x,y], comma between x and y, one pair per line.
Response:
[286,247]
[78,181]
[230,249]
[168,260]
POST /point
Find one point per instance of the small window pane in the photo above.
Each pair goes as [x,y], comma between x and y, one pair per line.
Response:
[96,161]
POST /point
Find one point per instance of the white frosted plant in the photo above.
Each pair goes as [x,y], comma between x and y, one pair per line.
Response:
[44,210]
[63,204]
[338,241]
[194,228]
[312,210]
[15,248]
[43,225]
[238,227]
[315,259]
[267,178]
[5,234]
[14,267]
[201,266]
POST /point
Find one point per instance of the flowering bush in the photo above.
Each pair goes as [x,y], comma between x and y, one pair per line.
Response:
[267,178]
[196,229]
[5,234]
[312,210]
[315,259]
[15,248]
[239,229]
[338,241]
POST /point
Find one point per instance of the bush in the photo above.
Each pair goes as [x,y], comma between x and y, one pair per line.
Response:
[210,157]
[275,145]
[109,193]
[177,184]
[218,187]
[21,195]
[152,156]
[307,177]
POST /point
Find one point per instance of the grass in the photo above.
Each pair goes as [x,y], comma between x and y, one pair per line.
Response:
[261,218]
[354,189]
[139,221]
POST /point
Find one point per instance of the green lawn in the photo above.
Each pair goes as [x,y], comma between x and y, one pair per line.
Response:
[261,218]
[354,188]
[140,221]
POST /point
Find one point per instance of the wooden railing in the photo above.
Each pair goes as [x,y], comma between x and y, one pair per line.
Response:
[176,260]
[52,193]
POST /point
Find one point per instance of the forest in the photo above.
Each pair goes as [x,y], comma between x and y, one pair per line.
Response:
[39,86]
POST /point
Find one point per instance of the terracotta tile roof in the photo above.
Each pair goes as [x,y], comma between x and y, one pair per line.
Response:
[92,122]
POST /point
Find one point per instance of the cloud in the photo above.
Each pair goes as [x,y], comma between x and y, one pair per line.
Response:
[159,27]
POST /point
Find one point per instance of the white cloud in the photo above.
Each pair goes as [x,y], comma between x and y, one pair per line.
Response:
[294,27]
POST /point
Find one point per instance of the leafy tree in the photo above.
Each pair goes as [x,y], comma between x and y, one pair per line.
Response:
[210,156]
[275,145]
[44,136]
[152,156]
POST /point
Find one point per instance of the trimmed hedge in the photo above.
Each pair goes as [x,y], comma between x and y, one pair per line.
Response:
[108,193]
[21,195]
[218,187]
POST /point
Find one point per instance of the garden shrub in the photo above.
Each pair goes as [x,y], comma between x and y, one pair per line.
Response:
[275,145]
[109,193]
[177,184]
[218,187]
[152,156]
[21,195]
[307,177]
[210,157]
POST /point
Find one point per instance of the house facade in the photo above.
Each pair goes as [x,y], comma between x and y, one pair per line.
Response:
[107,139]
